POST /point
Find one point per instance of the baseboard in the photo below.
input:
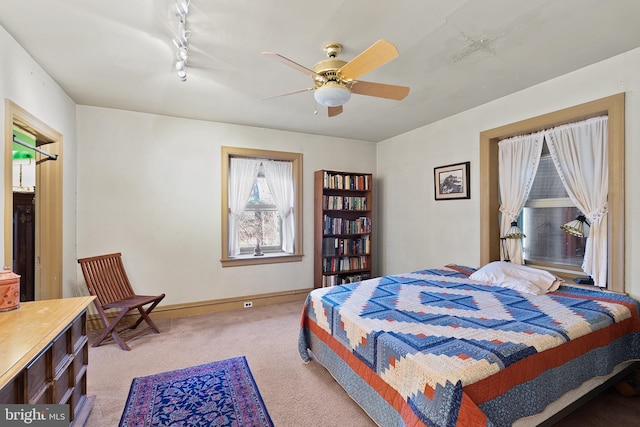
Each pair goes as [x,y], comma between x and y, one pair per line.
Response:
[212,306]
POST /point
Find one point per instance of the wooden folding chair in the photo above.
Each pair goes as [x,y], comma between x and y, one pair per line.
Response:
[108,282]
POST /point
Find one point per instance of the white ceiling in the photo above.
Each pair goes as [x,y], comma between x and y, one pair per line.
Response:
[454,54]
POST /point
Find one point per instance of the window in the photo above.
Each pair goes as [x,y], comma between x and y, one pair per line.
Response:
[261,206]
[613,107]
[547,208]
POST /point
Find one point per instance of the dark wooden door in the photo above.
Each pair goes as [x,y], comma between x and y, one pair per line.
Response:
[24,223]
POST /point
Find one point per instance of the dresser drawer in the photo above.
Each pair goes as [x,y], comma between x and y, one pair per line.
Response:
[12,391]
[64,380]
[61,349]
[38,373]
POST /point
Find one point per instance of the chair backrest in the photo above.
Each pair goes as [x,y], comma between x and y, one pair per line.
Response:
[106,277]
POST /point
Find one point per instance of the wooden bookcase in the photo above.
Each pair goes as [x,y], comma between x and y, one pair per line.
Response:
[343,206]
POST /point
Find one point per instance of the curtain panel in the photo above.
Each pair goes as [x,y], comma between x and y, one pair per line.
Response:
[242,177]
[518,159]
[280,181]
[579,151]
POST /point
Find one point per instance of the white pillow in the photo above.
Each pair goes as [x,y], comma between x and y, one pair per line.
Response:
[518,277]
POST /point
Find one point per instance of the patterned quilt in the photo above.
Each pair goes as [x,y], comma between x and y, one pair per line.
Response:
[443,350]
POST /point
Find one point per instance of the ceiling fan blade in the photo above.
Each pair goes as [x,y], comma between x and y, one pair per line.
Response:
[380,90]
[334,111]
[290,93]
[374,56]
[294,65]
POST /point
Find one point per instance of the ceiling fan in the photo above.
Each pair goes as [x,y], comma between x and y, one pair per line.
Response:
[335,79]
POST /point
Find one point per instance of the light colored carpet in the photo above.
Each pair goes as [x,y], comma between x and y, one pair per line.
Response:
[295,394]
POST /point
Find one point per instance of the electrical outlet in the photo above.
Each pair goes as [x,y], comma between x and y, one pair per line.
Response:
[248,304]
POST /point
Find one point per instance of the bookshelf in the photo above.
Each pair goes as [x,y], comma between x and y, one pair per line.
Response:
[343,206]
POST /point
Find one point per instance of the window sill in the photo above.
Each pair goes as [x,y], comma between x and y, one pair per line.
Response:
[265,259]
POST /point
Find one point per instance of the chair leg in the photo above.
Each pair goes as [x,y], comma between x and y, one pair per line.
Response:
[144,315]
[123,345]
[110,330]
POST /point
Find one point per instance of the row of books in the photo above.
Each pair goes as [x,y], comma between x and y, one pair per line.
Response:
[334,280]
[347,203]
[333,246]
[333,225]
[346,182]
[347,263]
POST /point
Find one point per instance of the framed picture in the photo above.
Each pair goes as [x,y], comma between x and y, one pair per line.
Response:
[452,181]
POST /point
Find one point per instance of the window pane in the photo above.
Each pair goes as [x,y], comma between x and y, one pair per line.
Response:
[260,222]
[260,195]
[547,183]
[261,226]
[546,242]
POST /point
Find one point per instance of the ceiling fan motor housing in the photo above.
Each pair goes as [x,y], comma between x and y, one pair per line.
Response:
[331,91]
[329,68]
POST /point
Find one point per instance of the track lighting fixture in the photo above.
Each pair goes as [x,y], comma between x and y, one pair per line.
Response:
[180,10]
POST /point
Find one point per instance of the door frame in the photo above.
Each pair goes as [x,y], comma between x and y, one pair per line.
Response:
[48,201]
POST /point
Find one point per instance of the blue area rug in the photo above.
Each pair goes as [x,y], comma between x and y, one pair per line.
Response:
[221,393]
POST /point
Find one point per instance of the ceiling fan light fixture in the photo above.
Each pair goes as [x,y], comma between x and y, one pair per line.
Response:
[332,95]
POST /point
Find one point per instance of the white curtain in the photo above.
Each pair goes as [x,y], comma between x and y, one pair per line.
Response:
[518,159]
[280,181]
[242,177]
[579,151]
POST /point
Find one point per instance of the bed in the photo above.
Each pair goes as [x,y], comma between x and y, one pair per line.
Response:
[438,347]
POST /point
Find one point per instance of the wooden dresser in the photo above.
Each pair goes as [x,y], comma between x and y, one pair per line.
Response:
[44,355]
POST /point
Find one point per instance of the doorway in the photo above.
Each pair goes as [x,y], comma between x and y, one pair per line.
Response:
[47,202]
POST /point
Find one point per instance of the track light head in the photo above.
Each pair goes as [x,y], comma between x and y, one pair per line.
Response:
[180,42]
[181,8]
[183,53]
[181,65]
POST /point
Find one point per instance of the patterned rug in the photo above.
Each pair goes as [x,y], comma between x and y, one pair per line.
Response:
[221,393]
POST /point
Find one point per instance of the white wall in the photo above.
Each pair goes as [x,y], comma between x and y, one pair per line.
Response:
[420,232]
[149,187]
[23,82]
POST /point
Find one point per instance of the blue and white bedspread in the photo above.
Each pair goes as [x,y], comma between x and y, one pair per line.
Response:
[436,348]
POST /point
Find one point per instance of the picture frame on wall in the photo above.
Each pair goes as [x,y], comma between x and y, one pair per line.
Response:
[452,181]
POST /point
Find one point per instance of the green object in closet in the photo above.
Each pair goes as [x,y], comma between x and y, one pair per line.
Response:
[19,151]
